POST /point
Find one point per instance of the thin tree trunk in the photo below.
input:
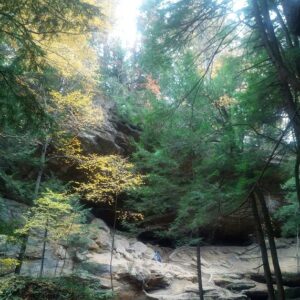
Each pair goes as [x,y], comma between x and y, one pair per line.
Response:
[263,249]
[44,248]
[200,286]
[56,267]
[25,237]
[113,242]
[297,250]
[285,29]
[21,255]
[64,263]
[273,250]
[65,255]
[297,179]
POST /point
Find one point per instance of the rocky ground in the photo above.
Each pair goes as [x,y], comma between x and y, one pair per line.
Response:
[229,272]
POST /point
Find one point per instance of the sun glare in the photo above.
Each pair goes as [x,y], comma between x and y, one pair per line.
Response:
[125,28]
[126,14]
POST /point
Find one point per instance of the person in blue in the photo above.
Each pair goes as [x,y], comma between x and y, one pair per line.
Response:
[157,256]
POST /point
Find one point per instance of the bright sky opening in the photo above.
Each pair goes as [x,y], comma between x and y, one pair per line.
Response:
[127,11]
[126,22]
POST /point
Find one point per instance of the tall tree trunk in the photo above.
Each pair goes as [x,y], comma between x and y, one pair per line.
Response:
[273,250]
[25,237]
[64,263]
[66,252]
[297,179]
[21,255]
[289,83]
[263,248]
[199,272]
[297,250]
[44,248]
[113,243]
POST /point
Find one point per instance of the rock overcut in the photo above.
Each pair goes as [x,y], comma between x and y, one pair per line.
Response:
[229,272]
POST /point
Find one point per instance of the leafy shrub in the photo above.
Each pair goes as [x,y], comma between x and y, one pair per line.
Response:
[288,214]
[62,288]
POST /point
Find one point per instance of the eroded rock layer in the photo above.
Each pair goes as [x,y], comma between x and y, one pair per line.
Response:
[229,272]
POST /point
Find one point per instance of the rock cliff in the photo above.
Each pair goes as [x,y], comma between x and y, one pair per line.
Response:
[229,272]
[112,136]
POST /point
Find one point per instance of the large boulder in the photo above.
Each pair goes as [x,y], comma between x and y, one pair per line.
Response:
[140,250]
[100,224]
[121,245]
[94,267]
[99,236]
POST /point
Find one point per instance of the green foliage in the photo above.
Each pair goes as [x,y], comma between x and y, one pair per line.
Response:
[22,36]
[7,265]
[289,213]
[7,225]
[122,81]
[170,27]
[32,105]
[63,288]
[57,212]
[204,139]
[199,167]
[17,159]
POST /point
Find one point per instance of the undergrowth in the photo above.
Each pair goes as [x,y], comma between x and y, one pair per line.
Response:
[62,288]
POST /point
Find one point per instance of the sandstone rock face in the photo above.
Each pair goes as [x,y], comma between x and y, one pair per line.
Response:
[229,272]
[112,136]
[11,210]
